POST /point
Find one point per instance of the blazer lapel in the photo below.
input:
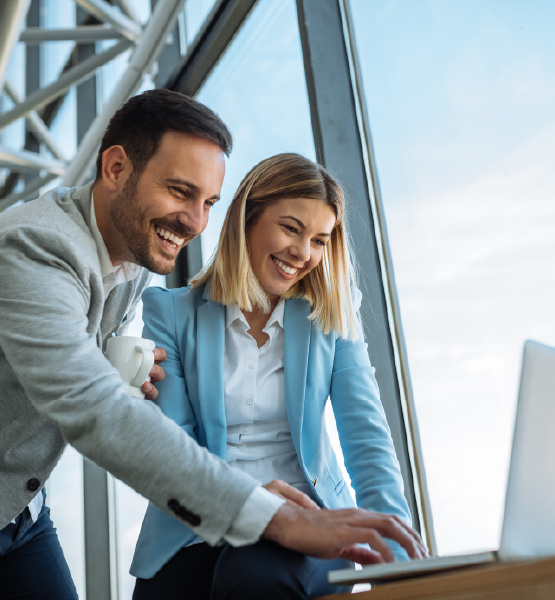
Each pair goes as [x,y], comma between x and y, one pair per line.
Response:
[297,327]
[210,366]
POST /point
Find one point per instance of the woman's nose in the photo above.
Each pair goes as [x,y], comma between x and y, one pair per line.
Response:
[301,250]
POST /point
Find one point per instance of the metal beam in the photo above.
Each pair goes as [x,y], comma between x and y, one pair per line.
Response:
[72,76]
[49,112]
[218,31]
[107,13]
[81,35]
[36,124]
[145,54]
[33,79]
[95,486]
[28,191]
[127,9]
[338,146]
[170,54]
[22,161]
[95,480]
[12,17]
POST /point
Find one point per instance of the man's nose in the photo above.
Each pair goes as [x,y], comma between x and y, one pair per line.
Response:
[194,217]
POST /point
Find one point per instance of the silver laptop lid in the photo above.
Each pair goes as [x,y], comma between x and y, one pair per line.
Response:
[529,520]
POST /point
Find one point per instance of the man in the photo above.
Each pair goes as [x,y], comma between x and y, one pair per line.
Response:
[73,265]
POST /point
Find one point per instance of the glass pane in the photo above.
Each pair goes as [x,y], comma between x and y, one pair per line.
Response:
[460,97]
[196,12]
[258,89]
[64,497]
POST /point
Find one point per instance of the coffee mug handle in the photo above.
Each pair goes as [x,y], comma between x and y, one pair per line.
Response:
[146,364]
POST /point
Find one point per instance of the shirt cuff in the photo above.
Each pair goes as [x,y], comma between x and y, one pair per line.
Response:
[253,518]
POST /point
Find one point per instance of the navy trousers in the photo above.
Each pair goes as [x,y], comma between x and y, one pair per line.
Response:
[32,564]
[263,570]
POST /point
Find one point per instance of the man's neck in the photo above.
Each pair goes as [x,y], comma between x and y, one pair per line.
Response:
[102,213]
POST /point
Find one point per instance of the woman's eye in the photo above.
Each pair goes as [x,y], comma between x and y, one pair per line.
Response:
[291,228]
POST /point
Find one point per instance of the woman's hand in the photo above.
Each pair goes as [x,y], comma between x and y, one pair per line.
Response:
[291,495]
[156,374]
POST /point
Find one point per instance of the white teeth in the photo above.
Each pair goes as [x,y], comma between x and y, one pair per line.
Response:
[167,235]
[284,267]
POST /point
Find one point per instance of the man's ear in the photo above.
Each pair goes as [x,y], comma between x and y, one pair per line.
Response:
[116,168]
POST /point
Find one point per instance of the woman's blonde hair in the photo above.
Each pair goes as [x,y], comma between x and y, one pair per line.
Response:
[327,287]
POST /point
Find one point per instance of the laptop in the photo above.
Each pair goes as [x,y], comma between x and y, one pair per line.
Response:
[528,530]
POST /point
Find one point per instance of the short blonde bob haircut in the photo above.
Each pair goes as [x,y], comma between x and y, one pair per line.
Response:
[327,287]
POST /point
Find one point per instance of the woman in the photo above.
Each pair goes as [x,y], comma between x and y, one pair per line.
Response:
[256,345]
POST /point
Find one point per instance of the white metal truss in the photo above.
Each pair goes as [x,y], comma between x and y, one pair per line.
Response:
[23,172]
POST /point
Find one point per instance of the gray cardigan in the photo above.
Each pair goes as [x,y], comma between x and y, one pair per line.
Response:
[57,387]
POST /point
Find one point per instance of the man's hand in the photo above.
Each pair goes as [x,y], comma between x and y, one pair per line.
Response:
[335,533]
[292,496]
[156,374]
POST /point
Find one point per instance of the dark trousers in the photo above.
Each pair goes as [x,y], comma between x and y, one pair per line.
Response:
[32,564]
[263,570]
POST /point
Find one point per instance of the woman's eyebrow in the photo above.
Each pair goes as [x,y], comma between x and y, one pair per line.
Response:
[298,221]
[302,225]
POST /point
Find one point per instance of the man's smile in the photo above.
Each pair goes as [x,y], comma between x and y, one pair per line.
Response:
[172,240]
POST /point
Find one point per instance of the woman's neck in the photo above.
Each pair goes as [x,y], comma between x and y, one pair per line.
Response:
[257,320]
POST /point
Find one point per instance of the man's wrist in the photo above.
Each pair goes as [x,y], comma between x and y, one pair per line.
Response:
[280,523]
[253,518]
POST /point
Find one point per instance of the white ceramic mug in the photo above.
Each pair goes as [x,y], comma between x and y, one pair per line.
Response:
[133,357]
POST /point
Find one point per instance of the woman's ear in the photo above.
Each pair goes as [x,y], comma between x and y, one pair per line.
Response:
[116,168]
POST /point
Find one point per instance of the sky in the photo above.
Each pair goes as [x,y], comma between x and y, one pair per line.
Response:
[461,102]
[460,97]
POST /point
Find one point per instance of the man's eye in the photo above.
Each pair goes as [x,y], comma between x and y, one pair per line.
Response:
[209,203]
[178,191]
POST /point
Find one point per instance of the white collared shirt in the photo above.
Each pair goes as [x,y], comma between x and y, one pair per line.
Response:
[258,432]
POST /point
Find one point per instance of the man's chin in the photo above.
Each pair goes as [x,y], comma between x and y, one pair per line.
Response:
[155,261]
[162,267]
[158,266]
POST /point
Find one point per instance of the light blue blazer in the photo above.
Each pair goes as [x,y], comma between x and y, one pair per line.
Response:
[191,328]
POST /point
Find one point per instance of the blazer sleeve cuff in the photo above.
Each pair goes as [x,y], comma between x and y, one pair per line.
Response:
[253,518]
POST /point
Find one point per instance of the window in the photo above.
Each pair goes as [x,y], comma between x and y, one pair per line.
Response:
[460,98]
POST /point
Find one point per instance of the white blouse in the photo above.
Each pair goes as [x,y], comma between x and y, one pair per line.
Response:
[258,433]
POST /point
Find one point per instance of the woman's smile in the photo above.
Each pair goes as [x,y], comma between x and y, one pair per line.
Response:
[284,269]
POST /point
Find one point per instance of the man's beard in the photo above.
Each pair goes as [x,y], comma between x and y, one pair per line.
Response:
[136,232]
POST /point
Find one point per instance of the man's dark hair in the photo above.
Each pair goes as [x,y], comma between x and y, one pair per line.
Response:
[141,122]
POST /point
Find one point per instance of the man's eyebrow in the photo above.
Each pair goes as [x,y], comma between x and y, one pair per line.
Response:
[194,188]
[301,224]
